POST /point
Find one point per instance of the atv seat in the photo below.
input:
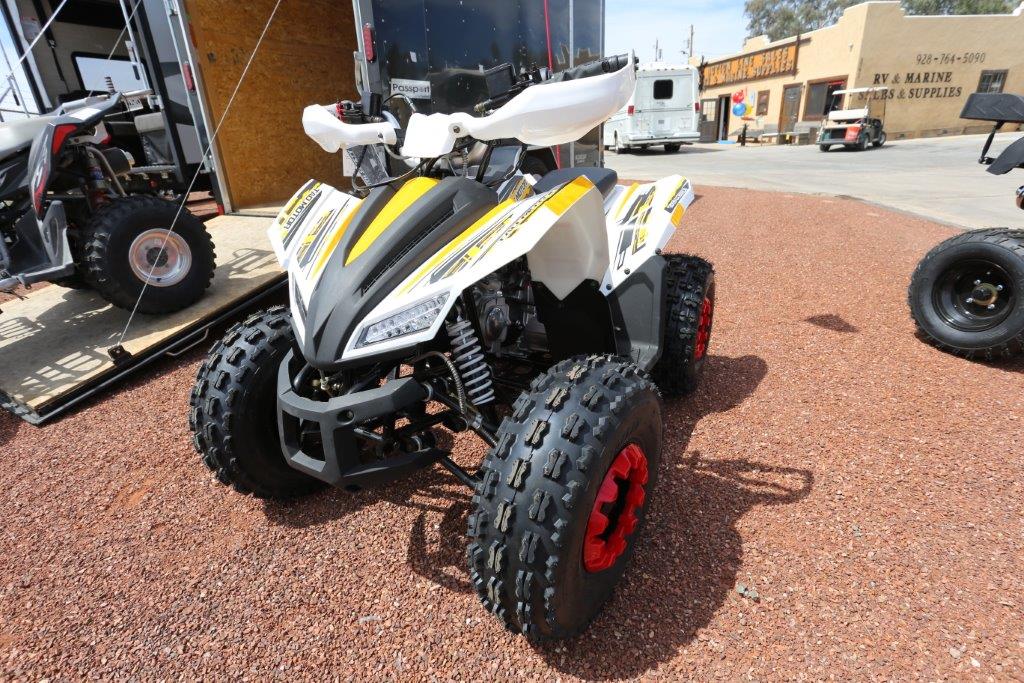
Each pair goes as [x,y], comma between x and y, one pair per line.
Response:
[15,135]
[604,178]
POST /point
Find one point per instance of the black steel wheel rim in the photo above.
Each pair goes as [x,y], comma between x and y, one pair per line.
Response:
[974,295]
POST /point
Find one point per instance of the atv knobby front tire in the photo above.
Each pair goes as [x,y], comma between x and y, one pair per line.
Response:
[955,285]
[107,241]
[535,555]
[690,310]
[233,413]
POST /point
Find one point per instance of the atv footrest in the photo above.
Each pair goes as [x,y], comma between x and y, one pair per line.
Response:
[386,471]
[336,420]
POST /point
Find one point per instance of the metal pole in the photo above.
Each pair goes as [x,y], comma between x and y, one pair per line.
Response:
[12,80]
[130,43]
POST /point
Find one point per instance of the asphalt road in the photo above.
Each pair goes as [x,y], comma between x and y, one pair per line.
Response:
[937,178]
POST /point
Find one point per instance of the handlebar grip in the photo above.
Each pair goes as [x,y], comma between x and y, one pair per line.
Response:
[602,66]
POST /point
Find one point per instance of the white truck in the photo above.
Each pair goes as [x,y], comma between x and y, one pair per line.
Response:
[664,110]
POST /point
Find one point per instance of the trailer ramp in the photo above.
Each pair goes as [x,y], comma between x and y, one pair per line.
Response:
[54,343]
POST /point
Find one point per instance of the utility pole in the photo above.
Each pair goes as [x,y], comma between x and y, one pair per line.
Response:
[657,50]
[689,47]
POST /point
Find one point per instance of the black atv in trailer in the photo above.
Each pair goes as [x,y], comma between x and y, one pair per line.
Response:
[967,294]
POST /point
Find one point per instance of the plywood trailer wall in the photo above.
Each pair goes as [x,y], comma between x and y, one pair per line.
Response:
[305,58]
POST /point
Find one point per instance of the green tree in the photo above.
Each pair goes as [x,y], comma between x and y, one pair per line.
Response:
[783,18]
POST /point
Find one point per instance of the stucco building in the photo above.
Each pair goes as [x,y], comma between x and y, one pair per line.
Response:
[929,63]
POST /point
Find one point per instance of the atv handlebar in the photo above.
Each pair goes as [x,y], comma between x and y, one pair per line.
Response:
[602,66]
[596,68]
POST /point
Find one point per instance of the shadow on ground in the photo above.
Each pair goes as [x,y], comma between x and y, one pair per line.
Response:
[832,322]
[660,151]
[437,555]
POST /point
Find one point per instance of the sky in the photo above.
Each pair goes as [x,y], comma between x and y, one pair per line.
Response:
[719,27]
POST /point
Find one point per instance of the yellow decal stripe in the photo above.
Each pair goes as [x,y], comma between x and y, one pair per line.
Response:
[335,239]
[568,195]
[677,215]
[625,199]
[678,188]
[440,256]
[403,199]
[297,199]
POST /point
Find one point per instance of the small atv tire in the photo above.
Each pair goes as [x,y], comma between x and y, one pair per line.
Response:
[533,549]
[107,241]
[690,307]
[967,294]
[233,413]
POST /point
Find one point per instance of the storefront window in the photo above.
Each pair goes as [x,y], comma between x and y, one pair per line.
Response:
[821,99]
[992,81]
[762,102]
[707,109]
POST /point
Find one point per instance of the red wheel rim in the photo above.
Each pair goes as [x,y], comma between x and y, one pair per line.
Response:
[613,517]
[707,314]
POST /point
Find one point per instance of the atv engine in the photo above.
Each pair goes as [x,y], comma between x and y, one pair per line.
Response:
[507,314]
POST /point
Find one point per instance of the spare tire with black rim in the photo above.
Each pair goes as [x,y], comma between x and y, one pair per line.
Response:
[967,294]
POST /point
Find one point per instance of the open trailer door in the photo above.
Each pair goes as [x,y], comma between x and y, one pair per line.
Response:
[305,57]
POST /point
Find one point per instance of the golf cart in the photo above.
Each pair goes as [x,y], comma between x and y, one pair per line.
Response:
[859,123]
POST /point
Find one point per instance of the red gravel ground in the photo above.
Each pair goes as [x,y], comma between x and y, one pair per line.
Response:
[838,500]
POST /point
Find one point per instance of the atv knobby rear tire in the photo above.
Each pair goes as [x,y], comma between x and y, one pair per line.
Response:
[536,498]
[233,413]
[108,237]
[689,306]
[940,309]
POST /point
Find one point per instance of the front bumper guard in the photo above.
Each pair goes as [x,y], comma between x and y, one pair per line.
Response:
[337,420]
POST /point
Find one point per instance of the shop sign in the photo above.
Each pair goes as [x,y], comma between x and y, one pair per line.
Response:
[775,61]
[919,85]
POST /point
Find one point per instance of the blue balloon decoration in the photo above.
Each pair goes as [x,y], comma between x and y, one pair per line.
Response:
[739,109]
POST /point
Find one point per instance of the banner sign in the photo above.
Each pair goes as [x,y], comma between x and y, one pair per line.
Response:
[775,61]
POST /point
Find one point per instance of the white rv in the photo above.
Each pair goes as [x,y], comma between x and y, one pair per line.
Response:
[664,110]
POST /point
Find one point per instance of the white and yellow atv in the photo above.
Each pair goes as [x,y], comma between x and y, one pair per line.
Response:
[537,313]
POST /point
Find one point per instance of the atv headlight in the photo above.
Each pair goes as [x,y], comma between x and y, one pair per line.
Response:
[416,318]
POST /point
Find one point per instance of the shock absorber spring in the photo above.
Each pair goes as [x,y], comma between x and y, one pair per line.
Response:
[97,183]
[469,359]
